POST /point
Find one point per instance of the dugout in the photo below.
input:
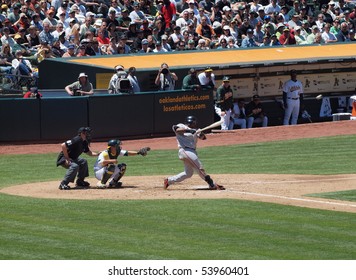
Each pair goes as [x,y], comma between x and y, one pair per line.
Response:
[327,69]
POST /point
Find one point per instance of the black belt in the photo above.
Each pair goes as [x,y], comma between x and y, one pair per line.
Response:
[293,98]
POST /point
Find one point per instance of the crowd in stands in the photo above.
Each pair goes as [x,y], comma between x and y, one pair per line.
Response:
[40,29]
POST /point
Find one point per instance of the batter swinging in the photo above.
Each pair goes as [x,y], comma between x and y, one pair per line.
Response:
[292,96]
[187,136]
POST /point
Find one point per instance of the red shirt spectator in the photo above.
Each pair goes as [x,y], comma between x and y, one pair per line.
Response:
[287,38]
[169,12]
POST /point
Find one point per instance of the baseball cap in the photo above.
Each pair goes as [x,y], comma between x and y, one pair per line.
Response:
[191,42]
[192,70]
[144,42]
[71,47]
[249,30]
[119,67]
[208,69]
[256,96]
[297,28]
[267,17]
[286,29]
[124,10]
[82,75]
[226,27]
[226,8]
[158,43]
[216,24]
[315,27]
[164,37]
[84,129]
[226,79]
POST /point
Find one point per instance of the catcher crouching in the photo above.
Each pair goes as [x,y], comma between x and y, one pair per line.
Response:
[107,167]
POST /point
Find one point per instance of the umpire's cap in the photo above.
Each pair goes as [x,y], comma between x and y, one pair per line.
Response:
[84,129]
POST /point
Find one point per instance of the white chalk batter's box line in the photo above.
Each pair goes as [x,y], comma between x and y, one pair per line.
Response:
[298,181]
[294,198]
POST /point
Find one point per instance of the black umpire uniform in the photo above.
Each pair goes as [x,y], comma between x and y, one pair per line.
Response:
[69,158]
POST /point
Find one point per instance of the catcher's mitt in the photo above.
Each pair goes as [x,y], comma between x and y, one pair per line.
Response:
[143,151]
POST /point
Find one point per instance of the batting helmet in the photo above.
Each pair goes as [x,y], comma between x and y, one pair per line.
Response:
[191,120]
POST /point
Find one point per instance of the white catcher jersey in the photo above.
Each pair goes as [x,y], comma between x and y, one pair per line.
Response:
[186,140]
[104,155]
[293,89]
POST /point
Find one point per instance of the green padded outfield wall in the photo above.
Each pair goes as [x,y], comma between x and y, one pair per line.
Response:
[20,119]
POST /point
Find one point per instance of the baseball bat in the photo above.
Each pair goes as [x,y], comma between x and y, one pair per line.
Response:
[215,124]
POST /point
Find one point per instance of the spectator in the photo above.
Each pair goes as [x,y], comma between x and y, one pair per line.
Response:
[336,27]
[287,38]
[191,81]
[159,48]
[294,22]
[36,21]
[299,38]
[169,12]
[327,36]
[202,46]
[137,15]
[272,8]
[266,41]
[204,29]
[224,103]
[165,79]
[165,44]
[320,22]
[249,41]
[238,113]
[6,38]
[183,20]
[6,57]
[255,113]
[343,35]
[33,93]
[81,87]
[274,40]
[70,51]
[144,47]
[311,36]
[207,79]
[46,35]
[133,80]
[95,45]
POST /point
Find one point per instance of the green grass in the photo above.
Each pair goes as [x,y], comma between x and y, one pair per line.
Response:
[33,228]
[343,195]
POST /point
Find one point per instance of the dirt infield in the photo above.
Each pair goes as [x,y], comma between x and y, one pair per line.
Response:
[283,189]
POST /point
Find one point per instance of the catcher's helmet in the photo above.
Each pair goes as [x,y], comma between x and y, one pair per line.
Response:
[191,120]
[114,143]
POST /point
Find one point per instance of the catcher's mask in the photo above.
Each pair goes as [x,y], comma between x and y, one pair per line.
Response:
[87,131]
[114,143]
[191,121]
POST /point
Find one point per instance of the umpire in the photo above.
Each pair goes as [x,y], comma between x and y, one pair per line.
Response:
[69,159]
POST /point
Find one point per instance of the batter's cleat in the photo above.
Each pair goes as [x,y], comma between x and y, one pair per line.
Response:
[63,186]
[100,185]
[82,183]
[165,183]
[217,187]
[114,184]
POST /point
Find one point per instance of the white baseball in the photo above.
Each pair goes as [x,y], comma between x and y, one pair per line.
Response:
[320,96]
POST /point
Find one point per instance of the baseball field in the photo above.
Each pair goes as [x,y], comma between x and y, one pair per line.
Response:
[290,195]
